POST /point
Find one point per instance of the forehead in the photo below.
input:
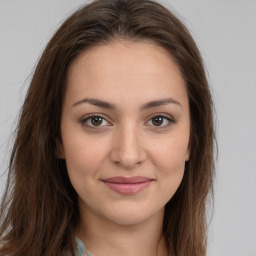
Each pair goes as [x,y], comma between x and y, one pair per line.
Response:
[125,70]
[116,56]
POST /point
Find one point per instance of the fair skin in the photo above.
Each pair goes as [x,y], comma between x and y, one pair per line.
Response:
[125,141]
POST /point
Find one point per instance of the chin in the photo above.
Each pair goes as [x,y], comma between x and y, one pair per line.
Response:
[132,215]
[128,220]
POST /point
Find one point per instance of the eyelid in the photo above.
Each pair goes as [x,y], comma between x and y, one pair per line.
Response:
[168,116]
[170,119]
[87,117]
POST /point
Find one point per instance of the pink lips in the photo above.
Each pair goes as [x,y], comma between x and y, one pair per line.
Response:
[127,186]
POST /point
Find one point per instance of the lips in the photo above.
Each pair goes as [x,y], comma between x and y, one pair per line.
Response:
[127,185]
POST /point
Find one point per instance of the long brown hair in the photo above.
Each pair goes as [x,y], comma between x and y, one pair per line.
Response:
[39,209]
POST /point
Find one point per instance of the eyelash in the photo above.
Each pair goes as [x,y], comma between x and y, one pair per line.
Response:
[88,117]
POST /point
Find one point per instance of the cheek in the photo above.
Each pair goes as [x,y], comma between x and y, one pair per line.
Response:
[171,153]
[83,160]
[170,161]
[83,157]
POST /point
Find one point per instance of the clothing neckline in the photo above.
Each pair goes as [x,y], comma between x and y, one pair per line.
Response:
[80,247]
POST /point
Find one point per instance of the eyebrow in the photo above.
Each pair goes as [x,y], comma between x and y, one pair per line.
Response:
[107,105]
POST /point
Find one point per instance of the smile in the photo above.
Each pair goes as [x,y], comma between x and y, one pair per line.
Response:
[127,186]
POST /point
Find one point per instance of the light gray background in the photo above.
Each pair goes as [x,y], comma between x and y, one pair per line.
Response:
[226,35]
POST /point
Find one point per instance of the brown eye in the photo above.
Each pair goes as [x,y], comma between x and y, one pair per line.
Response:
[94,121]
[157,120]
[161,121]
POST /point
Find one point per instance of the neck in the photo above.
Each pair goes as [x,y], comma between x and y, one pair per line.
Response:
[103,237]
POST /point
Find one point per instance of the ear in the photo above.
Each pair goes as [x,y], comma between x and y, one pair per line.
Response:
[60,153]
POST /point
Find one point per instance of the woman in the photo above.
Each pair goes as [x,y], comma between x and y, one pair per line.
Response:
[114,147]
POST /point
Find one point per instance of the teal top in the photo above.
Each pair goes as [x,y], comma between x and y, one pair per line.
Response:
[80,249]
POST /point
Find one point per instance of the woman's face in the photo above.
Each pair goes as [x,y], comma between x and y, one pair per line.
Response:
[126,161]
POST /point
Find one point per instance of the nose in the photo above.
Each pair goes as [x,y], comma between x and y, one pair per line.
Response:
[127,147]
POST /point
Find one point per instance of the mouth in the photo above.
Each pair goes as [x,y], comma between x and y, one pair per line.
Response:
[127,186]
